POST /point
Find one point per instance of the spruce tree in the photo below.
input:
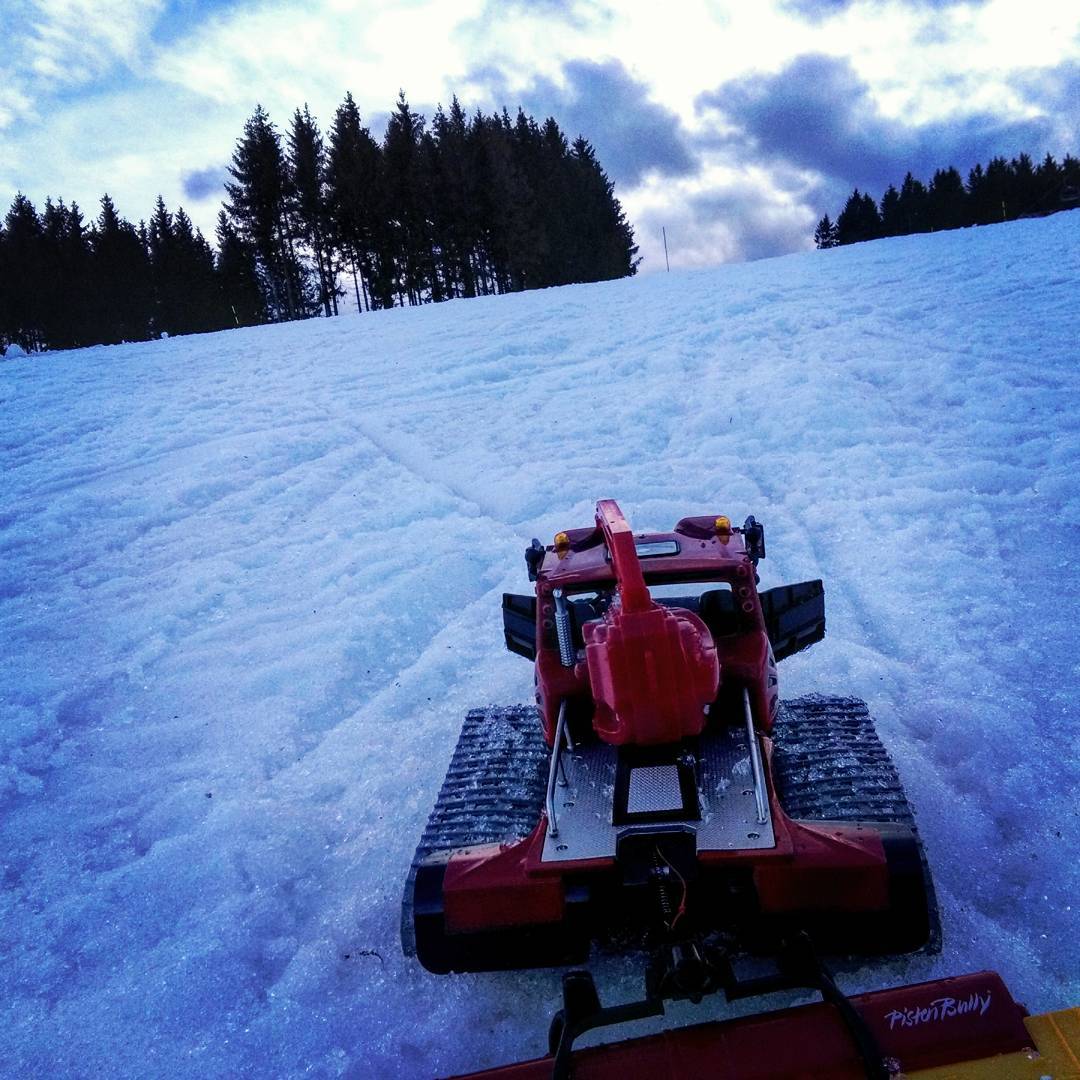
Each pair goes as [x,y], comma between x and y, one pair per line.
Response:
[26,275]
[239,285]
[1070,178]
[1024,188]
[108,273]
[355,199]
[891,223]
[1049,180]
[976,194]
[859,220]
[606,248]
[197,304]
[946,200]
[122,278]
[308,199]
[164,273]
[825,234]
[67,314]
[259,207]
[911,208]
[997,203]
[454,210]
[503,198]
[405,178]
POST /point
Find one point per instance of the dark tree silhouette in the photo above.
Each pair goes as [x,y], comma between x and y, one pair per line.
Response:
[25,272]
[463,207]
[1001,191]
[259,207]
[309,203]
[242,297]
[825,233]
[858,220]
[122,293]
[353,179]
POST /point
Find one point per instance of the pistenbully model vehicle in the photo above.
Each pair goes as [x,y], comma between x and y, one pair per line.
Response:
[661,796]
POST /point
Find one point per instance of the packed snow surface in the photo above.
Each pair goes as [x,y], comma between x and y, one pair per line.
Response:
[250,585]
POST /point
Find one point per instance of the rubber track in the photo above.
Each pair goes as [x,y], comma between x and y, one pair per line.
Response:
[829,765]
[493,791]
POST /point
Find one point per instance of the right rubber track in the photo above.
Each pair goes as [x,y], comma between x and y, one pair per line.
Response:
[828,764]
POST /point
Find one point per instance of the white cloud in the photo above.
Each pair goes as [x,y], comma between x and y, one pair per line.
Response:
[285,54]
[67,43]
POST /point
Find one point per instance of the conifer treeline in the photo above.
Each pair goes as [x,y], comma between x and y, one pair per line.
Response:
[1003,191]
[470,206]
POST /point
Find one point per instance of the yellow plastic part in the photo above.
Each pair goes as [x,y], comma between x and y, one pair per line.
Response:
[1057,1038]
[723,524]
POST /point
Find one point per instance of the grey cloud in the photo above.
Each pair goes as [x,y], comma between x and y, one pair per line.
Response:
[603,102]
[759,228]
[817,114]
[737,223]
[200,184]
[1056,90]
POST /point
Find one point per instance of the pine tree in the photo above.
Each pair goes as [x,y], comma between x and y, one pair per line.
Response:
[122,292]
[891,222]
[825,234]
[66,313]
[997,192]
[237,272]
[1024,188]
[454,210]
[606,239]
[946,200]
[1049,180]
[308,200]
[859,220]
[26,272]
[911,207]
[197,303]
[164,274]
[358,206]
[259,207]
[405,178]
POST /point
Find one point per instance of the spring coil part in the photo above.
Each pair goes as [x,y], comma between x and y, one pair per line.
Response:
[663,887]
[562,630]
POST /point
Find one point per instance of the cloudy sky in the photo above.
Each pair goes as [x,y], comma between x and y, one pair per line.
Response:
[734,123]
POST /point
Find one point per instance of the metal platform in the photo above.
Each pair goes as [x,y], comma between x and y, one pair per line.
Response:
[728,810]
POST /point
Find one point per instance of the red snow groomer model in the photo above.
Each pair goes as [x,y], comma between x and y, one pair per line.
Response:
[662,796]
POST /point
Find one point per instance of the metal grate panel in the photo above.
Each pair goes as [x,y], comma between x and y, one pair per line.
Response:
[654,788]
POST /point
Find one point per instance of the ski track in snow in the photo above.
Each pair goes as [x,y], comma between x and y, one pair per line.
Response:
[249,586]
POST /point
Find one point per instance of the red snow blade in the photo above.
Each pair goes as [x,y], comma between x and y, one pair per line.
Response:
[928,1024]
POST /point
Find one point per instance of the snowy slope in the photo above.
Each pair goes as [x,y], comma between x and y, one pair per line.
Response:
[250,584]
